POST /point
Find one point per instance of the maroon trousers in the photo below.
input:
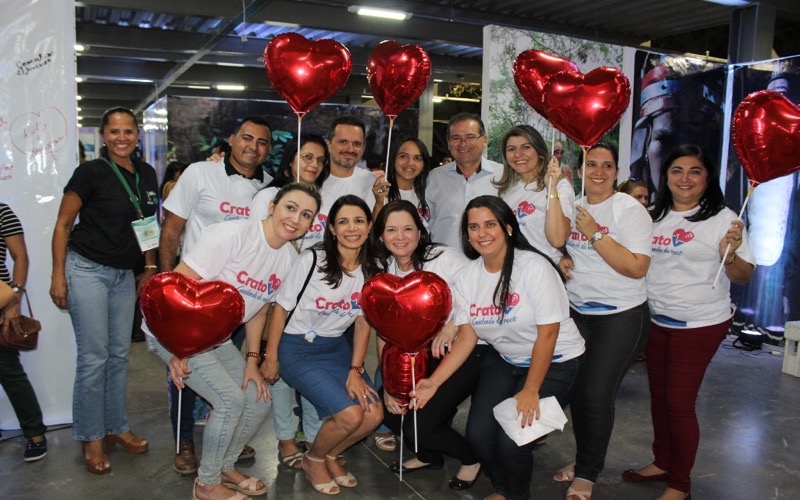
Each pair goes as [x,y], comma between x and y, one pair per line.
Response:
[676,364]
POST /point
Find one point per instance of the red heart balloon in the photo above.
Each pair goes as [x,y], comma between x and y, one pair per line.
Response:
[585,107]
[766,136]
[397,367]
[187,316]
[532,69]
[306,72]
[397,75]
[407,311]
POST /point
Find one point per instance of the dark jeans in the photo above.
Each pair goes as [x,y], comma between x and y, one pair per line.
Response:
[676,364]
[189,398]
[20,392]
[435,436]
[612,343]
[508,466]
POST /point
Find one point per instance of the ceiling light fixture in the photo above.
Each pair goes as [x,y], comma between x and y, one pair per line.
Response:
[232,65]
[78,79]
[394,15]
[78,98]
[228,86]
[198,87]
[79,47]
[731,3]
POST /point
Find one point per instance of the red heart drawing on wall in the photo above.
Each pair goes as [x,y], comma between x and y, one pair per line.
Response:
[585,107]
[187,316]
[41,132]
[306,72]
[407,312]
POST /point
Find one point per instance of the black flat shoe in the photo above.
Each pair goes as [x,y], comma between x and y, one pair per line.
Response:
[395,467]
[460,485]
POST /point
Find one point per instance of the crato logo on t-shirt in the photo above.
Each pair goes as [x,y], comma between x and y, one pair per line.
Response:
[353,304]
[258,285]
[319,225]
[233,212]
[679,237]
[524,209]
[273,284]
[477,311]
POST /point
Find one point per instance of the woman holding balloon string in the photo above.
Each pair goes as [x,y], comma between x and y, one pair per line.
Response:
[533,186]
[401,245]
[317,302]
[512,296]
[691,233]
[407,177]
[609,254]
[225,252]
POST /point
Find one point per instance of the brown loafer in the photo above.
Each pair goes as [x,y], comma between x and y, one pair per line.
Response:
[247,453]
[185,462]
[632,476]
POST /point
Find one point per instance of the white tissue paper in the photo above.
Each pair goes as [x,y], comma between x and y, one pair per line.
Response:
[510,420]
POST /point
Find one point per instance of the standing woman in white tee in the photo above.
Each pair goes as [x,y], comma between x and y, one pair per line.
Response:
[512,297]
[609,254]
[227,251]
[690,317]
[309,351]
[532,177]
[409,165]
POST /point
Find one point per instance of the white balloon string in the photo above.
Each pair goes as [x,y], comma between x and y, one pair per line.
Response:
[728,248]
[299,121]
[178,432]
[388,149]
[402,419]
[550,180]
[414,386]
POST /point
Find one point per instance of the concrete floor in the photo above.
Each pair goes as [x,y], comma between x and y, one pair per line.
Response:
[750,448]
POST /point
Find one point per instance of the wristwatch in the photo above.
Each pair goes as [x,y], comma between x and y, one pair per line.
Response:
[597,236]
[16,288]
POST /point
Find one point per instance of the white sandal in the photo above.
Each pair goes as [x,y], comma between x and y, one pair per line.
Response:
[386,443]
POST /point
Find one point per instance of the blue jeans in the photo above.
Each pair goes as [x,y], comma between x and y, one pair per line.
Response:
[612,343]
[508,466]
[217,376]
[100,301]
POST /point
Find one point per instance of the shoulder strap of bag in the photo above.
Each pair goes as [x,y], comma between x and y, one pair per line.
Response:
[29,303]
[308,278]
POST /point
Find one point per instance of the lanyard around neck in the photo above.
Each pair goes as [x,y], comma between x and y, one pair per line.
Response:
[133,197]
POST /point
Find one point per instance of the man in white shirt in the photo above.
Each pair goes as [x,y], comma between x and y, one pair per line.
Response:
[204,195]
[346,145]
[453,185]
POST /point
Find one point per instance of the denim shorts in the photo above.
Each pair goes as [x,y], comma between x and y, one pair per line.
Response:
[318,370]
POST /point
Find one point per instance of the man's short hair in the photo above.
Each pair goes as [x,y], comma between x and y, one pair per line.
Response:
[346,120]
[256,120]
[464,116]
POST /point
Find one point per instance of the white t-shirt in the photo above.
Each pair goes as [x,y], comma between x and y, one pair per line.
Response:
[530,208]
[596,288]
[685,261]
[237,253]
[205,194]
[537,297]
[323,311]
[448,193]
[411,195]
[259,207]
[359,184]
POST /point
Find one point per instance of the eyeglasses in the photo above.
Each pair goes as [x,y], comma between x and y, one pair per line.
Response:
[469,138]
[309,157]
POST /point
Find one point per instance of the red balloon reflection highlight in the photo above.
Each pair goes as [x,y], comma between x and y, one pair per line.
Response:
[187,316]
[397,75]
[532,69]
[306,72]
[397,367]
[585,107]
[408,311]
[766,136]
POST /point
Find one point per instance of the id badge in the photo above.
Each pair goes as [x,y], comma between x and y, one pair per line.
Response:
[147,232]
